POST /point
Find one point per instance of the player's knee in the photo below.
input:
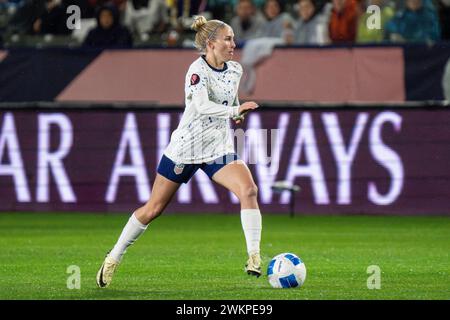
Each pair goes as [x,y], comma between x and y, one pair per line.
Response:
[249,191]
[152,212]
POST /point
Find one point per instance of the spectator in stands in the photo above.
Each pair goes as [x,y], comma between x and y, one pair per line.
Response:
[247,22]
[366,34]
[53,19]
[146,16]
[444,17]
[312,24]
[109,32]
[343,21]
[401,4]
[415,23]
[277,30]
[277,23]
[22,20]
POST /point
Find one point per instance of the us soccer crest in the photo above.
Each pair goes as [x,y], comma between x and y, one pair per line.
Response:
[178,169]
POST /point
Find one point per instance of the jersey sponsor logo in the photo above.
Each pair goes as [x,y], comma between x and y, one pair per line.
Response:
[178,169]
[195,78]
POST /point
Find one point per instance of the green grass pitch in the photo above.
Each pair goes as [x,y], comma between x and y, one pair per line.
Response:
[201,257]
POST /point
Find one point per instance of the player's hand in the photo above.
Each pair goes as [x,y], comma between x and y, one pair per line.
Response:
[243,109]
[246,107]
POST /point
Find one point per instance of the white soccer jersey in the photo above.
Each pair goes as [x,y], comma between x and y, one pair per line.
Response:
[211,98]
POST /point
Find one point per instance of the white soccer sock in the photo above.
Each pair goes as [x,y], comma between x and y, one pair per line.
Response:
[131,232]
[251,224]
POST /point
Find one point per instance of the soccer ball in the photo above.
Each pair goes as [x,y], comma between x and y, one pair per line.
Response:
[286,270]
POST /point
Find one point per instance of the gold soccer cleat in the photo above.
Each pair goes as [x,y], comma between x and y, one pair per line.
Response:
[253,266]
[105,274]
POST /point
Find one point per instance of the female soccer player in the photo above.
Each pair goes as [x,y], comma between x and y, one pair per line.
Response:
[202,141]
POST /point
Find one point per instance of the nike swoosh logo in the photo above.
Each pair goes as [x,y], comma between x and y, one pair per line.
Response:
[102,284]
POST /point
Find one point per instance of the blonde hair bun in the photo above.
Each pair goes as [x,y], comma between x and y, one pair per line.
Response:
[199,22]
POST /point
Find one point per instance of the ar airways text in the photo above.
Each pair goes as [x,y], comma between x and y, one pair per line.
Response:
[99,158]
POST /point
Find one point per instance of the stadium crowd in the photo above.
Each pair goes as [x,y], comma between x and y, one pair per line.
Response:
[125,23]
